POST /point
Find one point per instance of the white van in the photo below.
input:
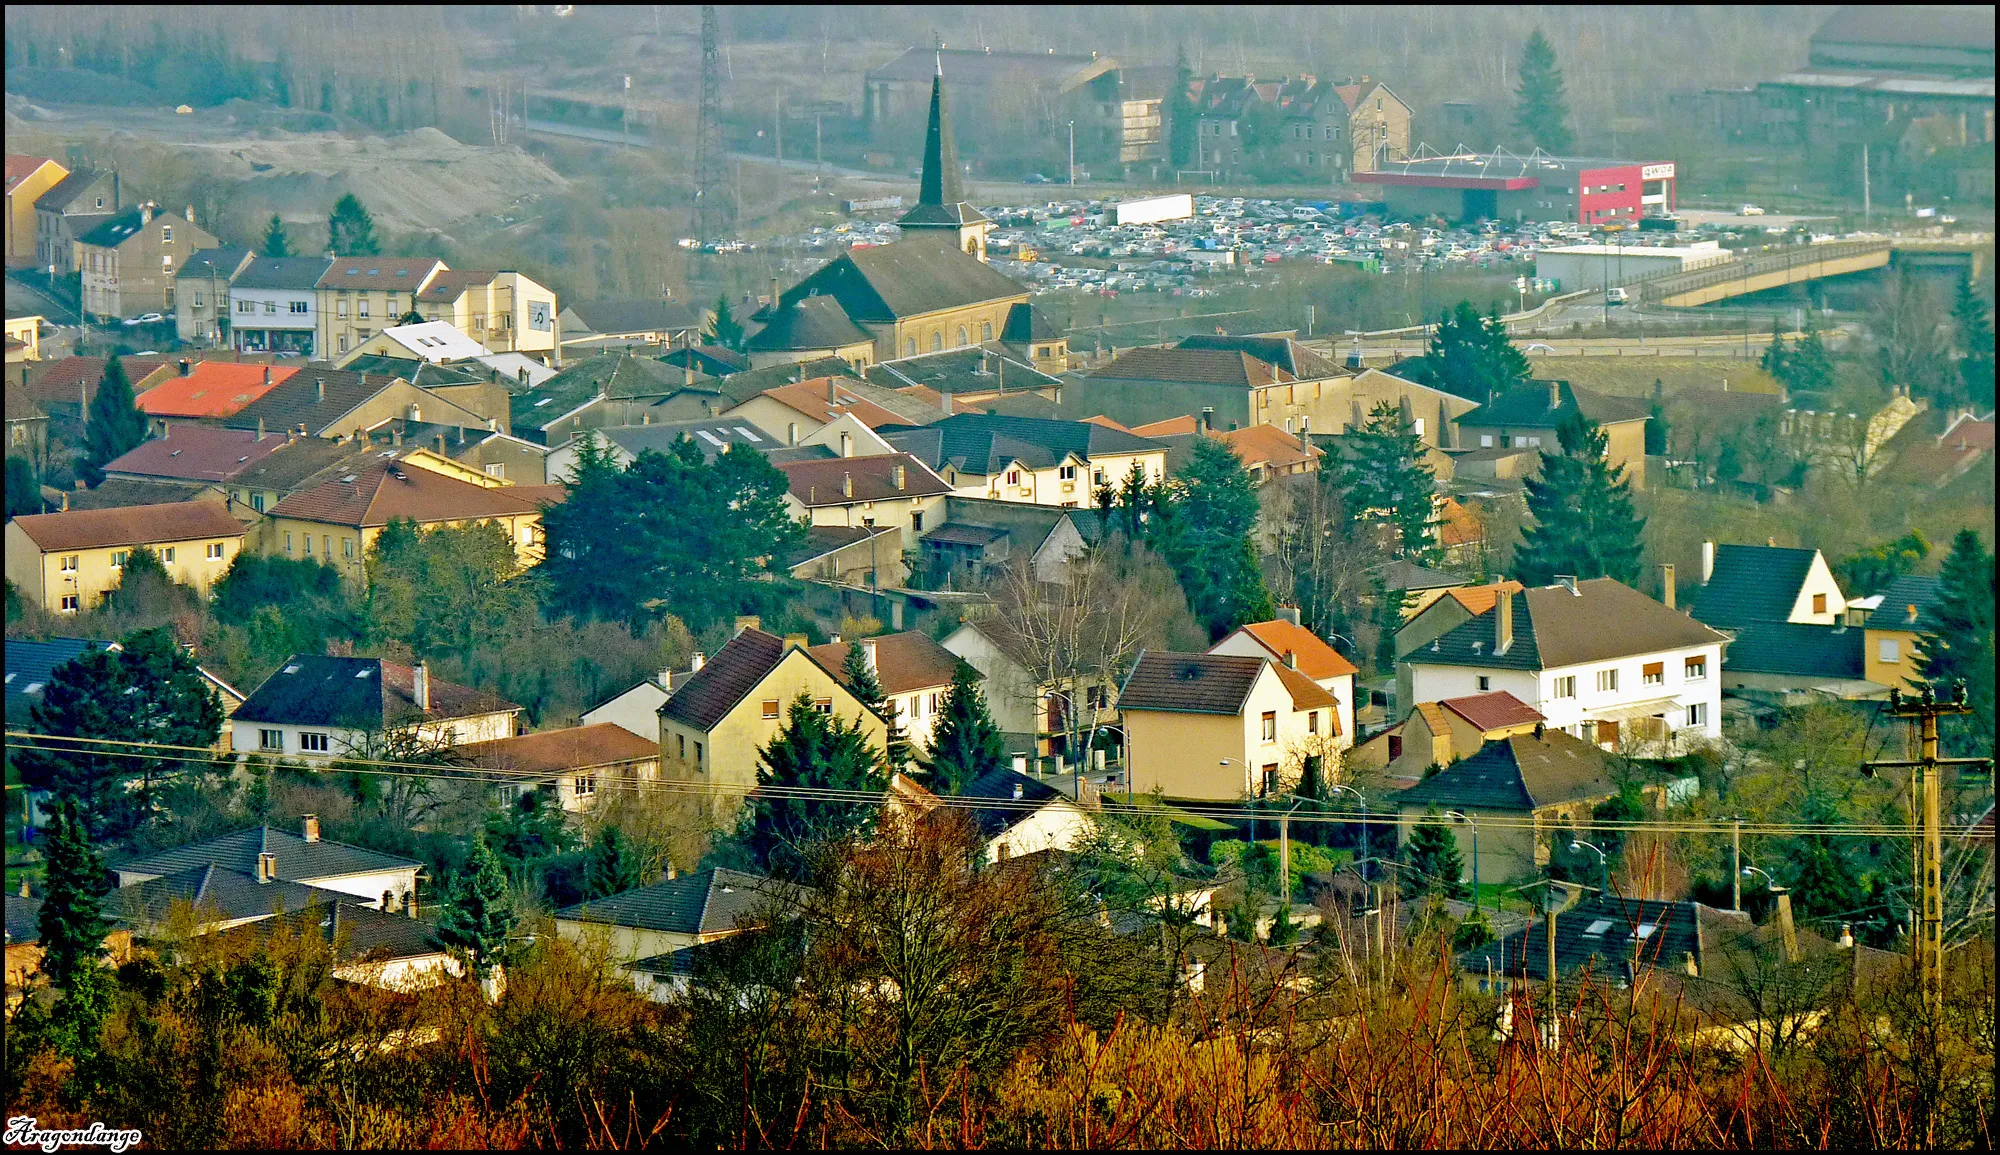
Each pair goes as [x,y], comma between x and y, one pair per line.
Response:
[1616,296]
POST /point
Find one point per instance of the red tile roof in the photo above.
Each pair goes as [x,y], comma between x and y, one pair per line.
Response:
[1495,711]
[192,452]
[1309,695]
[20,168]
[1478,599]
[1268,445]
[823,400]
[846,480]
[551,751]
[129,525]
[213,389]
[59,382]
[904,662]
[401,274]
[1316,659]
[373,495]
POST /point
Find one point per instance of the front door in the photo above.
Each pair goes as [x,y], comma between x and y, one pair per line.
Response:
[1607,735]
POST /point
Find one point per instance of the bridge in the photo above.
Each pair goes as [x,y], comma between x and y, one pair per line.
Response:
[1798,263]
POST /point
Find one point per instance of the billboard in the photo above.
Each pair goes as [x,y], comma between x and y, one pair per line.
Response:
[538,315]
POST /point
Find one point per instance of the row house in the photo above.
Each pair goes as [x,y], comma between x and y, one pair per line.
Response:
[66,562]
[1030,459]
[201,294]
[274,306]
[128,262]
[1311,126]
[358,297]
[72,207]
[28,177]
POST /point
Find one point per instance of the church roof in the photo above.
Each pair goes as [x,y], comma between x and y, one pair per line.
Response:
[808,323]
[941,197]
[906,279]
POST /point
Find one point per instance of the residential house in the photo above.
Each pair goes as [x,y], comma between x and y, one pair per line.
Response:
[393,952]
[1231,387]
[1894,632]
[1265,450]
[977,375]
[1030,709]
[1765,583]
[27,425]
[274,305]
[1027,459]
[846,555]
[28,177]
[1849,444]
[326,707]
[1939,446]
[129,261]
[1787,662]
[702,360]
[486,457]
[321,402]
[24,338]
[219,899]
[23,946]
[712,727]
[913,670]
[1529,415]
[347,513]
[356,297]
[506,311]
[594,325]
[1438,617]
[624,443]
[1607,936]
[1597,658]
[67,562]
[209,390]
[63,388]
[1440,733]
[1285,641]
[612,389]
[1528,785]
[795,411]
[637,707]
[381,881]
[1378,124]
[433,342]
[1420,585]
[978,537]
[893,490]
[575,767]
[1461,535]
[1216,726]
[29,664]
[673,914]
[1300,123]
[201,294]
[70,208]
[122,492]
[1024,816]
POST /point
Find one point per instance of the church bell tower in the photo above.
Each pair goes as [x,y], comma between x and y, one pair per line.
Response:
[942,211]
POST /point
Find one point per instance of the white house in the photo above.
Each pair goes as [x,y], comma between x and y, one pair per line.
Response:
[1766,583]
[1599,660]
[1026,816]
[324,707]
[271,856]
[1013,694]
[274,305]
[1309,655]
[913,671]
[1030,459]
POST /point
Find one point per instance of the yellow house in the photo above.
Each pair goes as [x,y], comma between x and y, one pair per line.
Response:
[358,297]
[1893,633]
[892,490]
[1220,726]
[26,332]
[28,177]
[336,521]
[68,561]
[1034,460]
[505,311]
[712,727]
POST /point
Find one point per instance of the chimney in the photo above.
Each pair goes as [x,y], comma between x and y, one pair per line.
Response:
[1846,936]
[440,441]
[319,386]
[267,374]
[116,204]
[145,212]
[493,425]
[1568,582]
[260,429]
[697,661]
[1555,396]
[420,685]
[190,214]
[396,437]
[796,641]
[847,448]
[1786,930]
[1538,731]
[832,396]
[897,474]
[944,403]
[1205,420]
[267,866]
[187,367]
[1017,791]
[774,294]
[1503,622]
[868,655]
[1707,562]
[847,485]
[1667,586]
[791,433]
[1910,613]
[309,827]
[1291,660]
[1288,614]
[746,622]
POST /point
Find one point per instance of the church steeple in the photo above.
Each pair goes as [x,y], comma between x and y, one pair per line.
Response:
[941,203]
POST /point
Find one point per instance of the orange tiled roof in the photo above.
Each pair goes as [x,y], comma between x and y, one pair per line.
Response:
[1171,427]
[1316,659]
[213,389]
[1268,444]
[822,399]
[1478,599]
[376,493]
[1460,526]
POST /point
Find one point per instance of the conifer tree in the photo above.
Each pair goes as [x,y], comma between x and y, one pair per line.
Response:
[1958,646]
[1776,359]
[1205,533]
[1183,118]
[1542,113]
[724,330]
[115,425]
[350,230]
[479,914]
[1385,481]
[611,867]
[1810,366]
[72,927]
[1973,325]
[24,489]
[1584,522]
[1472,355]
[277,242]
[866,685]
[813,751]
[1433,852]
[965,742]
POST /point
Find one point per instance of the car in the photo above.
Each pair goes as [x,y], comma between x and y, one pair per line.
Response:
[1749,211]
[1537,347]
[1036,178]
[1616,296]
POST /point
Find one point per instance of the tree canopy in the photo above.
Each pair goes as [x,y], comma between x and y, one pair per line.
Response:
[1384,481]
[1206,532]
[812,751]
[277,242]
[114,426]
[1433,852]
[1183,119]
[446,589]
[1959,646]
[724,329]
[350,230]
[1541,110]
[1584,523]
[1972,324]
[72,927]
[1470,355]
[863,684]
[965,742]
[24,489]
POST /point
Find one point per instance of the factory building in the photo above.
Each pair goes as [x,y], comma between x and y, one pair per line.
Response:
[1537,187]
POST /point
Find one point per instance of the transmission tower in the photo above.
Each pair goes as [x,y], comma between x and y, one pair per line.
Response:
[712,214]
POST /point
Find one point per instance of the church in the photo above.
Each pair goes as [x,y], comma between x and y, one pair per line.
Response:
[930,292]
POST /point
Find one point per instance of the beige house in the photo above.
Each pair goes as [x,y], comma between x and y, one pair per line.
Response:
[67,562]
[506,311]
[1894,630]
[1529,786]
[894,490]
[1285,641]
[129,261]
[1032,460]
[357,297]
[1441,733]
[579,766]
[1528,417]
[913,671]
[28,177]
[24,338]
[1214,726]
[325,707]
[70,208]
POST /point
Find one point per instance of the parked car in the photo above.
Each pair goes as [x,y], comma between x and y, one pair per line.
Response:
[1616,296]
[145,319]
[1036,178]
[1750,211]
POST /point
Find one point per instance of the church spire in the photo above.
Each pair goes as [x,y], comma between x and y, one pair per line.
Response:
[941,180]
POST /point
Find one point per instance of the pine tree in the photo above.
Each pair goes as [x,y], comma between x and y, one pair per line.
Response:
[814,751]
[1777,359]
[115,425]
[724,330]
[1433,852]
[1810,366]
[479,914]
[611,867]
[1584,522]
[72,927]
[1959,645]
[24,489]
[350,231]
[277,242]
[1542,113]
[965,743]
[1205,533]
[1657,428]
[864,684]
[1472,355]
[1133,498]
[1973,327]
[1183,118]
[1386,481]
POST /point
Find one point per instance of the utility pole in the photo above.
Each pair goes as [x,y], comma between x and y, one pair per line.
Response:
[1927,939]
[1867,201]
[1736,864]
[778,124]
[1072,158]
[711,216]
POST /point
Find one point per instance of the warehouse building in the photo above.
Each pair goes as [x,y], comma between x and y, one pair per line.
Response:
[1575,267]
[1537,187]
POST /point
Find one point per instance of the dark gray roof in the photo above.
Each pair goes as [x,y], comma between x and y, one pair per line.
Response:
[1675,933]
[117,229]
[1528,406]
[359,694]
[1753,583]
[1894,612]
[999,785]
[742,386]
[217,262]
[23,920]
[1522,772]
[808,323]
[634,316]
[822,540]
[607,375]
[423,374]
[362,933]
[887,282]
[973,369]
[1026,323]
[29,665]
[298,859]
[1799,648]
[71,189]
[1404,575]
[722,682]
[227,894]
[1283,352]
[296,273]
[1554,627]
[983,443]
[1189,683]
[297,400]
[708,360]
[713,901]
[941,193]
[119,492]
[710,435]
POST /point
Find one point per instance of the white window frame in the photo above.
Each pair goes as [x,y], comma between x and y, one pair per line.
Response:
[315,742]
[1564,687]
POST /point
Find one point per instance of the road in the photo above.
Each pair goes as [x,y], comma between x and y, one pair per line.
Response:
[1707,345]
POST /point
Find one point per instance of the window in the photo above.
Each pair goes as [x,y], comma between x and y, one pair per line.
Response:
[246,306]
[69,603]
[1698,714]
[916,705]
[326,545]
[1607,681]
[347,547]
[961,337]
[1066,472]
[1013,477]
[936,700]
[1888,650]
[288,542]
[197,300]
[1819,603]
[390,311]
[496,469]
[770,707]
[682,740]
[1653,673]
[166,234]
[118,557]
[214,551]
[1270,726]
[1270,778]
[299,306]
[697,753]
[1312,721]
[1485,683]
[985,331]
[313,743]
[586,785]
[910,347]
[309,544]
[270,739]
[167,263]
[340,307]
[361,307]
[937,341]
[1695,669]
[917,521]
[1565,687]
[823,705]
[257,502]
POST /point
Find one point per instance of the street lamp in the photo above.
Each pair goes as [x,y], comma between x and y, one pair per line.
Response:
[1462,816]
[1072,157]
[1337,787]
[1603,861]
[1770,883]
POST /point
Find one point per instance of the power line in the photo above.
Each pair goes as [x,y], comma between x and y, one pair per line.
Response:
[623,775]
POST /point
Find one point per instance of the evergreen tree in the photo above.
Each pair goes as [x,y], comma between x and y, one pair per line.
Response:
[72,927]
[813,751]
[1385,481]
[1433,852]
[1205,532]
[1810,366]
[1973,326]
[1584,522]
[350,231]
[611,867]
[1472,356]
[724,330]
[1777,359]
[1133,498]
[277,242]
[115,425]
[1183,118]
[478,914]
[1870,571]
[1657,429]
[1542,111]
[526,835]
[1958,646]
[865,685]
[965,742]
[24,489]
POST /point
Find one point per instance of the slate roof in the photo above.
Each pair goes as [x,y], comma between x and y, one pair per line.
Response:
[297,400]
[1316,659]
[449,283]
[1403,575]
[714,901]
[1904,592]
[128,525]
[1527,406]
[822,540]
[1753,583]
[616,374]
[359,694]
[711,435]
[724,680]
[556,751]
[1282,352]
[983,443]
[886,282]
[1493,711]
[998,785]
[403,274]
[1026,324]
[904,662]
[973,369]
[124,492]
[215,891]
[298,461]
[1522,772]
[1190,683]
[808,323]
[222,261]
[708,360]
[24,916]
[68,189]
[298,860]
[362,933]
[1553,627]
[826,481]
[1799,648]
[1617,921]
[212,389]
[423,374]
[378,492]
[1190,366]
[634,316]
[29,665]
[742,386]
[121,227]
[298,274]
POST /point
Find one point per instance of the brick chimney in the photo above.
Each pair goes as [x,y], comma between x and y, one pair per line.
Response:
[1291,660]
[420,686]
[944,403]
[309,827]
[1667,586]
[187,367]
[1707,562]
[267,374]
[267,866]
[868,655]
[1503,623]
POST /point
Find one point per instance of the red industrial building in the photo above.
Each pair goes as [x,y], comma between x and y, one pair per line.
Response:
[1502,186]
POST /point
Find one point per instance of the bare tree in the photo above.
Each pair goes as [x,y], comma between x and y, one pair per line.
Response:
[1324,558]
